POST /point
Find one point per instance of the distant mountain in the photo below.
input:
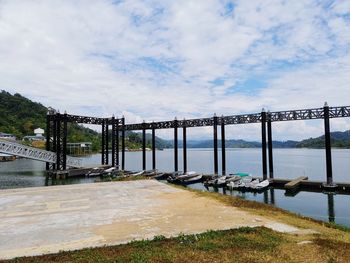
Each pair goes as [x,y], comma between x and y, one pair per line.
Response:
[338,139]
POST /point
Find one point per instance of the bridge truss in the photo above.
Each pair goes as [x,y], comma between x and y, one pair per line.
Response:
[35,153]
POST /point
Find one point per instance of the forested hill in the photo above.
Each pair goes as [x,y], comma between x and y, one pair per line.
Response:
[19,115]
[338,139]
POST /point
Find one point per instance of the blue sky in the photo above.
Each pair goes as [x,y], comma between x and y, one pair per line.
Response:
[154,60]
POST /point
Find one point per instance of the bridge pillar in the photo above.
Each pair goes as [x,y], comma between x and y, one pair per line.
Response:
[153,147]
[263,144]
[215,127]
[328,145]
[176,164]
[143,146]
[123,143]
[223,146]
[184,147]
[270,147]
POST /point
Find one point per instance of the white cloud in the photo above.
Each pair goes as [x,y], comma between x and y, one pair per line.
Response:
[155,60]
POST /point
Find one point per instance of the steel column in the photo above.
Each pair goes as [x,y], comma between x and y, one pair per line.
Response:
[143,149]
[58,141]
[223,147]
[54,141]
[106,143]
[153,148]
[117,144]
[184,148]
[113,140]
[48,137]
[263,144]
[327,136]
[103,144]
[176,164]
[216,164]
[123,143]
[64,142]
[270,147]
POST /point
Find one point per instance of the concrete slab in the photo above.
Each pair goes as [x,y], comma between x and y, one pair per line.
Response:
[43,220]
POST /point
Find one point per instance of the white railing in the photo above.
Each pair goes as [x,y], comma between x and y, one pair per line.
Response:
[34,153]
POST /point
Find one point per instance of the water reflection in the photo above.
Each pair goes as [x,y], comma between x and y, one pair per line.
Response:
[306,203]
[331,213]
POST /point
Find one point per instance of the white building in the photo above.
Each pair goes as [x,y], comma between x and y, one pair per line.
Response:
[7,136]
[39,136]
[39,132]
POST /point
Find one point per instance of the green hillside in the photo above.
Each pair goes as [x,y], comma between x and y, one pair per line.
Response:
[20,116]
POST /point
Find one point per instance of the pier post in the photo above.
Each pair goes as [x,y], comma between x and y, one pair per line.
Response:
[143,146]
[123,143]
[263,143]
[223,146]
[54,143]
[103,143]
[176,165]
[64,142]
[106,143]
[184,147]
[215,126]
[327,136]
[117,144]
[113,140]
[270,147]
[58,141]
[153,147]
[48,137]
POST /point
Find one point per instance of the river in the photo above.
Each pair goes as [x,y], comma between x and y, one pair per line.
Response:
[288,163]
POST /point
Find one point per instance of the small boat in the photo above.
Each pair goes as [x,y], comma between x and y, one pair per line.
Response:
[186,178]
[136,173]
[262,185]
[241,174]
[192,180]
[211,181]
[160,176]
[97,171]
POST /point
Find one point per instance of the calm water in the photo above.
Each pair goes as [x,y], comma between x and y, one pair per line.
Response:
[289,163]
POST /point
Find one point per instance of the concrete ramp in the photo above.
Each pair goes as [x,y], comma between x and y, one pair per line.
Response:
[41,220]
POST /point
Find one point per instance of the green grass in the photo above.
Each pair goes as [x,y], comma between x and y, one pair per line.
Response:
[236,245]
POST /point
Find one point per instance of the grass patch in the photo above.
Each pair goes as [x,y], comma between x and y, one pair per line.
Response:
[236,245]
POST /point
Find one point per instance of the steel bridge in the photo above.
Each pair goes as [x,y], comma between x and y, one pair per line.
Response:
[34,153]
[57,135]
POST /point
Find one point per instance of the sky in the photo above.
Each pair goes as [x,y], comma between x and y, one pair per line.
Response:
[157,60]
